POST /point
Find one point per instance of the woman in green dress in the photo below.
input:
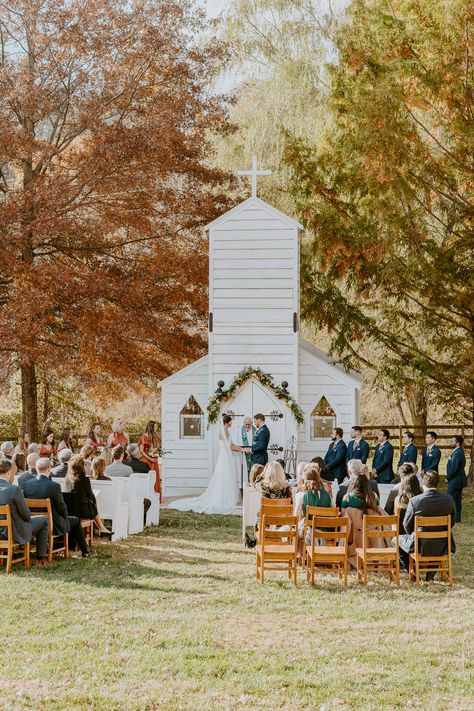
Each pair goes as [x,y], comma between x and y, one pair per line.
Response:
[360,496]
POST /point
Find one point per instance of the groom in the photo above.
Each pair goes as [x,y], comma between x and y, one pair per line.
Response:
[260,442]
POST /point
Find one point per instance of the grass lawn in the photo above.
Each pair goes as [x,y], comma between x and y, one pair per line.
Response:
[174,619]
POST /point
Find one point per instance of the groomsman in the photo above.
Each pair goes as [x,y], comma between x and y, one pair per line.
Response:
[382,466]
[431,454]
[247,434]
[357,448]
[336,456]
[409,452]
[456,473]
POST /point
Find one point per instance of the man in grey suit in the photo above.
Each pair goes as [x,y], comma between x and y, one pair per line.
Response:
[64,455]
[31,473]
[430,503]
[118,468]
[24,525]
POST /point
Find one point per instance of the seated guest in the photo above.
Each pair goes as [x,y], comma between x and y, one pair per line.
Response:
[430,503]
[64,456]
[24,525]
[359,495]
[19,462]
[47,448]
[274,484]
[256,474]
[30,473]
[87,453]
[409,453]
[33,448]
[43,488]
[382,465]
[83,502]
[335,457]
[98,469]
[323,468]
[7,450]
[118,468]
[359,500]
[409,487]
[300,489]
[403,472]
[66,440]
[456,473]
[355,467]
[134,461]
[22,444]
[315,493]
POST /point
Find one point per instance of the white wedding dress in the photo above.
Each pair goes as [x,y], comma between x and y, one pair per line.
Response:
[222,493]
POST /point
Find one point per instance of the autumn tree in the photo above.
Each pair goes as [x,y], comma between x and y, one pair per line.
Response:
[105,120]
[389,196]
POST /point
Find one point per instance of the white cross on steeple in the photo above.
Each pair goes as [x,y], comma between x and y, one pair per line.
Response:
[253,173]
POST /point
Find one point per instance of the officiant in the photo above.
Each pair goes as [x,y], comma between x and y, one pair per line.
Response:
[247,435]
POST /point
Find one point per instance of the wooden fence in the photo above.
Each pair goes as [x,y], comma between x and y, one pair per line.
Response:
[444,432]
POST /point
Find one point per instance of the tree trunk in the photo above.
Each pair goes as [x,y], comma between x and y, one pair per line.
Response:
[417,402]
[29,401]
[470,476]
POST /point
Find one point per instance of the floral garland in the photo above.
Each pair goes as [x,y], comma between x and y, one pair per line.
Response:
[215,402]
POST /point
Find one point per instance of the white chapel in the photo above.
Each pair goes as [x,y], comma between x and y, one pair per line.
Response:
[254,310]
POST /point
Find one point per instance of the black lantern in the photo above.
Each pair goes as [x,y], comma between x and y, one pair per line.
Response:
[284,390]
[219,390]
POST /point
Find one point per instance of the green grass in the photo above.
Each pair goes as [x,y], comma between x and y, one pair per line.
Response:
[174,619]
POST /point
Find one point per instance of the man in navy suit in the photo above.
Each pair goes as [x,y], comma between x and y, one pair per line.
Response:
[456,473]
[261,440]
[409,452]
[335,458]
[43,488]
[357,448]
[382,465]
[431,454]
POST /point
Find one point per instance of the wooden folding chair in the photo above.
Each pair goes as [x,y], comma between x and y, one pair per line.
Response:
[419,563]
[88,526]
[10,551]
[42,507]
[379,559]
[333,556]
[312,511]
[274,507]
[278,552]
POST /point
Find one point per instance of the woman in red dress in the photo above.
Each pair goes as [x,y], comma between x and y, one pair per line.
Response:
[94,438]
[47,447]
[118,436]
[149,444]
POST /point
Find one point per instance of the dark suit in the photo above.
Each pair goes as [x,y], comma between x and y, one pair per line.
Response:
[360,450]
[430,460]
[383,462]
[335,460]
[430,503]
[24,525]
[456,478]
[137,465]
[82,500]
[390,503]
[341,492]
[44,488]
[408,454]
[26,476]
[60,471]
[260,445]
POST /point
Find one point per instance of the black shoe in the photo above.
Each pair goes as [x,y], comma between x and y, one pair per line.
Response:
[430,576]
[106,534]
[86,555]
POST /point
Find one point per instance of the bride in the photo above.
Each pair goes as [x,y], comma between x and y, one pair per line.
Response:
[222,494]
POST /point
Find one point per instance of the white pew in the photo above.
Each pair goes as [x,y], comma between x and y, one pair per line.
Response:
[146,489]
[135,504]
[112,503]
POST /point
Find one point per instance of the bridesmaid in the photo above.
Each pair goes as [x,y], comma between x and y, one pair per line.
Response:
[149,444]
[66,440]
[22,444]
[94,438]
[47,447]
[118,436]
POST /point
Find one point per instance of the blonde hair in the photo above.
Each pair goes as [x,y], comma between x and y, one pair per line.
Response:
[355,467]
[274,476]
[256,473]
[118,425]
[300,469]
[312,474]
[98,467]
[86,451]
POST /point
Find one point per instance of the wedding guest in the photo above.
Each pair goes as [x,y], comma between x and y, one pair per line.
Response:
[47,448]
[60,471]
[7,450]
[456,473]
[409,453]
[430,503]
[359,500]
[256,474]
[87,453]
[357,447]
[22,444]
[355,467]
[94,438]
[382,465]
[431,453]
[33,448]
[66,440]
[300,488]
[134,461]
[335,457]
[118,436]
[315,494]
[24,525]
[323,468]
[19,462]
[359,495]
[118,468]
[98,469]
[409,487]
[83,502]
[43,488]
[275,484]
[403,472]
[149,444]
[31,472]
